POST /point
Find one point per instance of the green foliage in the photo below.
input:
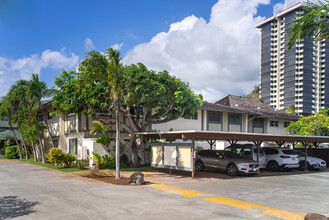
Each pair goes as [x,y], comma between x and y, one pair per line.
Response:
[198,148]
[314,125]
[80,164]
[59,157]
[12,152]
[291,109]
[56,156]
[104,138]
[311,23]
[68,159]
[324,112]
[2,150]
[51,166]
[106,161]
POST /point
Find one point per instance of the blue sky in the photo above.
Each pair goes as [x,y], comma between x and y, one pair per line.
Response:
[46,36]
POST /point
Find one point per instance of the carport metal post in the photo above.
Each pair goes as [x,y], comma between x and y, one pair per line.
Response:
[211,143]
[280,143]
[257,143]
[193,166]
[306,144]
[231,142]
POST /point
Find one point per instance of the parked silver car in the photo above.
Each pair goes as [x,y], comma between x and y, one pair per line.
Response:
[225,160]
[313,163]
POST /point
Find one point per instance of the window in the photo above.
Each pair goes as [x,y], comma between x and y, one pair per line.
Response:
[271,151]
[274,123]
[258,122]
[234,119]
[55,143]
[286,124]
[214,117]
[194,117]
[73,145]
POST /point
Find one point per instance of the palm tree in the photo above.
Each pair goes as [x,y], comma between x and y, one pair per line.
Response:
[98,66]
[19,100]
[38,90]
[312,23]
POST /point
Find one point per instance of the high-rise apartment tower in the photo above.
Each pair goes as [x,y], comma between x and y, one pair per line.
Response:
[298,77]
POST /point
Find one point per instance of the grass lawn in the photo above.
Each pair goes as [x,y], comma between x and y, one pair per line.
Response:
[2,156]
[51,166]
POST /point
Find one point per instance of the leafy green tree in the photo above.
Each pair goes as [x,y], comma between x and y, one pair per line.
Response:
[314,125]
[311,23]
[143,96]
[6,113]
[291,109]
[324,111]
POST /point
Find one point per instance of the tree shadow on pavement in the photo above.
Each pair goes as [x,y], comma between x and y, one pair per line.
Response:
[12,206]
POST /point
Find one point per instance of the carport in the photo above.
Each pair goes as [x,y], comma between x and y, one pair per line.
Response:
[233,137]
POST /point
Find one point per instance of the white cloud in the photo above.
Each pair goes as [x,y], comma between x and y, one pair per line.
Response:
[89,45]
[12,70]
[117,46]
[286,4]
[217,58]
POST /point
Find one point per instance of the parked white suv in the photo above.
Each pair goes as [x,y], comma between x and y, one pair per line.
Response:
[280,158]
[313,163]
[244,151]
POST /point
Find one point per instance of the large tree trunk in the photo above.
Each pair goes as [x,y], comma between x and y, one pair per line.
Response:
[134,151]
[19,128]
[45,121]
[19,148]
[117,142]
[41,143]
[33,146]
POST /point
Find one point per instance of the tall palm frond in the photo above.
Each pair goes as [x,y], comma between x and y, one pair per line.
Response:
[312,23]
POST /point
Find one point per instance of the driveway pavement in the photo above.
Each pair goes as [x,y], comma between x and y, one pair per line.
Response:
[32,192]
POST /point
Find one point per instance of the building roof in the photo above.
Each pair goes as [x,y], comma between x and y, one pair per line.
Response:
[281,14]
[255,108]
[221,108]
[6,133]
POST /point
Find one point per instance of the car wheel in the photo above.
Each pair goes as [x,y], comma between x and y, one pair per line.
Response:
[232,170]
[272,165]
[199,166]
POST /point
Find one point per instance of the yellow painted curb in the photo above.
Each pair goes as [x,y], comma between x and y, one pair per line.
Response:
[178,191]
[265,210]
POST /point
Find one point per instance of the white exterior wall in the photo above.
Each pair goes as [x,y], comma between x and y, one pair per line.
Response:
[180,124]
[281,130]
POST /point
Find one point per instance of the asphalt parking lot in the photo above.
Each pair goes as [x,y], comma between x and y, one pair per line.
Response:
[31,192]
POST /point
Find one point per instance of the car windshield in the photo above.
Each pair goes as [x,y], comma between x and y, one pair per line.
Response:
[289,152]
[229,154]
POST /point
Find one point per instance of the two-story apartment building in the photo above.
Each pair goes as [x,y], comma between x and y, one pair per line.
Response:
[230,114]
[233,114]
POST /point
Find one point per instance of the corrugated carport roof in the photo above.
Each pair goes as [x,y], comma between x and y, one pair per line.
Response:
[216,135]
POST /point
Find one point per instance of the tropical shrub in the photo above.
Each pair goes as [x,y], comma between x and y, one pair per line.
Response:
[12,152]
[106,161]
[80,164]
[56,156]
[2,150]
[59,157]
[68,159]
